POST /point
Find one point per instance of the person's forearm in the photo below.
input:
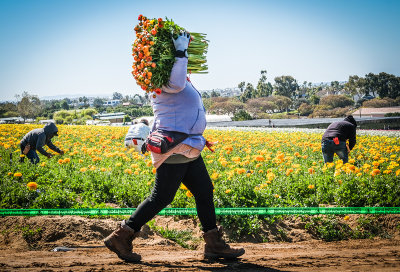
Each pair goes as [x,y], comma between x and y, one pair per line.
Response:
[177,81]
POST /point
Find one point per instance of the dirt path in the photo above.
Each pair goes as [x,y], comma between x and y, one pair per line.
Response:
[359,255]
[26,244]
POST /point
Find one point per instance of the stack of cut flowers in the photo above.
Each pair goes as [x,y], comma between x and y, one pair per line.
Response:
[154,52]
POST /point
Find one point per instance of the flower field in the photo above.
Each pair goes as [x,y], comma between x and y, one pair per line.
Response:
[248,169]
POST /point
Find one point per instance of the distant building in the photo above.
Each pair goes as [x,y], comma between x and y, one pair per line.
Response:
[112,103]
[12,120]
[217,118]
[116,117]
[375,112]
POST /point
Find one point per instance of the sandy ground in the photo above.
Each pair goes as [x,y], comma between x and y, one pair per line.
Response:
[84,237]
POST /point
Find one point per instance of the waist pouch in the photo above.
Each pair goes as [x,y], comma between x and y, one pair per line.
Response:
[161,141]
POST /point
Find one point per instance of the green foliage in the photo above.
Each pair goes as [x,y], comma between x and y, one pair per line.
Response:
[241,115]
[78,117]
[181,237]
[329,228]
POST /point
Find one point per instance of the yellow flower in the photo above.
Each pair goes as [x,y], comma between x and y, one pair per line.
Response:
[22,155]
[270,176]
[9,173]
[128,171]
[103,169]
[214,176]
[311,186]
[17,175]
[277,196]
[118,164]
[83,169]
[346,217]
[228,191]
[32,185]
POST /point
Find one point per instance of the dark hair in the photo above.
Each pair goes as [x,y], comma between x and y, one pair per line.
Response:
[144,121]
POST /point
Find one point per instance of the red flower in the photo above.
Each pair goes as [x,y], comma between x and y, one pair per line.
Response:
[153,32]
[159,20]
[158,91]
[140,17]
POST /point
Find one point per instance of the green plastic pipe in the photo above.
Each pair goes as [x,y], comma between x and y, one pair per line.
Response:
[218,211]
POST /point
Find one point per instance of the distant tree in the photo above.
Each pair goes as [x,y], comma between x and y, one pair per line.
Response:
[355,86]
[205,95]
[282,102]
[305,109]
[300,101]
[242,86]
[286,86]
[9,109]
[64,105]
[336,101]
[241,115]
[264,88]
[28,105]
[117,96]
[248,93]
[98,102]
[226,105]
[388,85]
[379,103]
[215,94]
[256,106]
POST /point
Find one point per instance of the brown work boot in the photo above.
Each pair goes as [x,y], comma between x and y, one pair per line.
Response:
[120,242]
[216,247]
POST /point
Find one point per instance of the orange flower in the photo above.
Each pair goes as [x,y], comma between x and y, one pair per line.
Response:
[17,175]
[32,185]
[189,194]
[375,172]
[311,186]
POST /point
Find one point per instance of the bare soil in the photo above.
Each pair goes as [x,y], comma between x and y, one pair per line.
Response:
[27,244]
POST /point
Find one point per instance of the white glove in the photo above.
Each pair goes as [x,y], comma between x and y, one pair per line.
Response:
[181,44]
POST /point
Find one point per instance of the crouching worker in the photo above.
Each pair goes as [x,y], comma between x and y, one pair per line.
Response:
[36,139]
[177,108]
[335,137]
[137,135]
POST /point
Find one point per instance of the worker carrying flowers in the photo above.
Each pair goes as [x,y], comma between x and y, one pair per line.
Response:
[335,137]
[178,108]
[36,139]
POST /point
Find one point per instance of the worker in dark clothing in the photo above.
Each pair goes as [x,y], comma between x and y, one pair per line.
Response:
[36,139]
[335,137]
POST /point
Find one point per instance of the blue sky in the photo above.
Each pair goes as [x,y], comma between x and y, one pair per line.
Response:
[83,47]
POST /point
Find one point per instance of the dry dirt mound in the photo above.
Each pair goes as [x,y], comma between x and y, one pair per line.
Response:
[26,244]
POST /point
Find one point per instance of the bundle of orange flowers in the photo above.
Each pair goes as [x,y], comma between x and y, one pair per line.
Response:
[154,52]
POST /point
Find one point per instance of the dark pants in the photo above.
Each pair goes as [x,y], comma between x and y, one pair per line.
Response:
[32,155]
[329,148]
[195,177]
